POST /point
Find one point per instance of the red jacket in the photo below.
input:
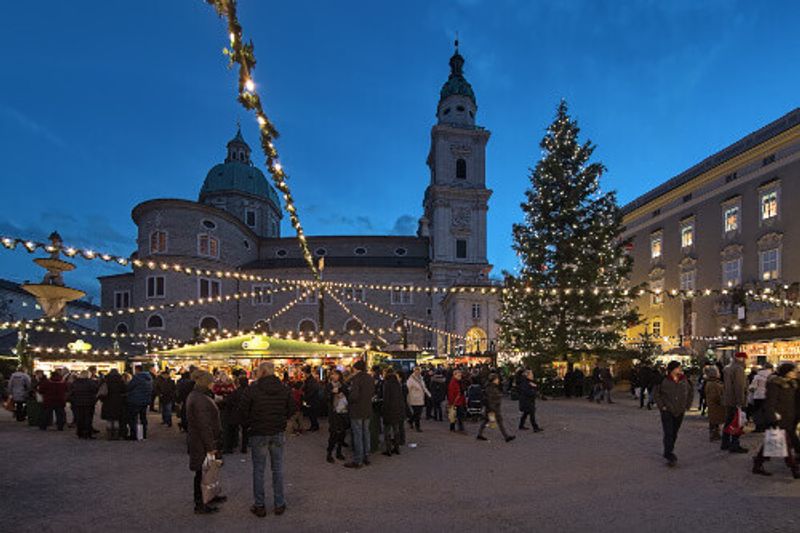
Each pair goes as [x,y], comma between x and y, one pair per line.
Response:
[297,396]
[54,392]
[454,394]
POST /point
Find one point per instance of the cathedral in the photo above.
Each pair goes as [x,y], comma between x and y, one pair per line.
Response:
[235,225]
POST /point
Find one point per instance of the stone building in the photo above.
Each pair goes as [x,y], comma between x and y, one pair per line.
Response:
[235,225]
[724,223]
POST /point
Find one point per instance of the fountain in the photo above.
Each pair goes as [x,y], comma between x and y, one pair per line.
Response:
[52,295]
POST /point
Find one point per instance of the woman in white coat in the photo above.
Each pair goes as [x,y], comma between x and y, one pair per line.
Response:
[417,391]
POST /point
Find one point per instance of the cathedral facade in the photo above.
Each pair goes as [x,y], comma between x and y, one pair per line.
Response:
[235,225]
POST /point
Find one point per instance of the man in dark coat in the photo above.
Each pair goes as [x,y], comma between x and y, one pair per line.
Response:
[203,436]
[265,408]
[114,407]
[392,412]
[780,411]
[527,400]
[82,396]
[362,389]
[493,398]
[438,394]
[140,389]
[54,400]
[166,391]
[184,386]
[311,396]
[674,397]
[734,397]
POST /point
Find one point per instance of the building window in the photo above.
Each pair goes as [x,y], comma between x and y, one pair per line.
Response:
[306,296]
[730,219]
[360,251]
[307,326]
[476,311]
[155,287]
[155,322]
[158,242]
[732,272]
[209,224]
[461,249]
[207,246]
[262,294]
[209,323]
[688,280]
[354,295]
[657,296]
[122,328]
[461,169]
[655,327]
[320,252]
[655,246]
[280,252]
[250,218]
[400,251]
[769,264]
[208,288]
[402,297]
[769,205]
[122,299]
[687,234]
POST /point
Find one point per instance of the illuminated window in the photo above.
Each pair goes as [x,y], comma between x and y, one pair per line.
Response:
[155,287]
[655,327]
[769,264]
[730,218]
[769,205]
[688,280]
[401,297]
[687,234]
[732,272]
[262,294]
[208,288]
[657,296]
[158,242]
[207,246]
[655,246]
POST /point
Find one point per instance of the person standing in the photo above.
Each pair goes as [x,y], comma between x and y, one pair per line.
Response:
[362,389]
[139,393]
[203,437]
[311,393]
[236,413]
[493,398]
[438,394]
[456,402]
[673,397]
[607,385]
[713,393]
[265,408]
[758,389]
[780,411]
[393,412]
[734,398]
[528,391]
[113,408]
[338,419]
[54,401]
[19,387]
[417,396]
[82,396]
[184,387]
[166,391]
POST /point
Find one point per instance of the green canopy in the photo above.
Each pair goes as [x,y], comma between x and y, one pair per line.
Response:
[256,346]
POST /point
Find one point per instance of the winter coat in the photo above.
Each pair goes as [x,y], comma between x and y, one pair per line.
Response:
[455,396]
[265,407]
[759,384]
[438,389]
[713,392]
[780,402]
[204,429]
[232,406]
[140,389]
[19,386]
[393,409]
[311,392]
[336,400]
[416,391]
[675,397]
[527,395]
[54,392]
[607,379]
[166,390]
[83,392]
[735,394]
[114,401]
[184,387]
[362,388]
[492,398]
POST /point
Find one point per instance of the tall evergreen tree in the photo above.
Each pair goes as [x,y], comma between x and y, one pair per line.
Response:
[568,297]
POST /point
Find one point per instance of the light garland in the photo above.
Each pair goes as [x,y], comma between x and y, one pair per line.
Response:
[355,317]
[62,351]
[737,328]
[103,334]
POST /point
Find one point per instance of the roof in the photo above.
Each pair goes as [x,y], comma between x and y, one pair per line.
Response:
[235,176]
[457,84]
[784,123]
[258,346]
[13,286]
[344,261]
[48,339]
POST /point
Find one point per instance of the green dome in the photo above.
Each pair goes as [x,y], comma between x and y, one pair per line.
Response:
[235,176]
[457,84]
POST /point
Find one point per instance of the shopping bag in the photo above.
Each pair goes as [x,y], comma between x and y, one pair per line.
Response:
[9,405]
[775,443]
[451,413]
[736,427]
[139,432]
[210,483]
[492,420]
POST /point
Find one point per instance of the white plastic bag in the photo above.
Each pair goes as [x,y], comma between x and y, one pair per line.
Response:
[139,432]
[210,483]
[775,443]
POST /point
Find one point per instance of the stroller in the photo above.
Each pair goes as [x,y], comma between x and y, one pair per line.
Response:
[474,401]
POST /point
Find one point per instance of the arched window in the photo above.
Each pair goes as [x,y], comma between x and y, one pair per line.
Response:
[476,340]
[461,169]
[122,328]
[155,322]
[261,325]
[158,242]
[307,326]
[209,323]
[353,325]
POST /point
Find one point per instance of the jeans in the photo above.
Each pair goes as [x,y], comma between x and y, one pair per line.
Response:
[47,417]
[416,414]
[137,414]
[20,411]
[670,424]
[525,414]
[361,440]
[437,411]
[166,413]
[260,445]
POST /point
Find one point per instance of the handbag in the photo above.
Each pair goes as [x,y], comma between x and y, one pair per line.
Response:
[451,414]
[9,405]
[775,443]
[736,427]
[210,483]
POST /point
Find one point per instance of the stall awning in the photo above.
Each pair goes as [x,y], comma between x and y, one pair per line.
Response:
[253,346]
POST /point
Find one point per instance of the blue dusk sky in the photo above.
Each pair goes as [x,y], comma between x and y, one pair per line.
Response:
[106,104]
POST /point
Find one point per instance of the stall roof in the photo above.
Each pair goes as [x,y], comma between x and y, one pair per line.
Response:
[258,346]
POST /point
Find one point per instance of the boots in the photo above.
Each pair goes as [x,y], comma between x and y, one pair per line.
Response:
[758,468]
[713,434]
[329,457]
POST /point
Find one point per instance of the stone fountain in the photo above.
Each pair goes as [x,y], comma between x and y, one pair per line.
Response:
[52,295]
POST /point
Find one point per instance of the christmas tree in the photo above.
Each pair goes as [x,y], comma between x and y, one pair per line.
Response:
[569,296]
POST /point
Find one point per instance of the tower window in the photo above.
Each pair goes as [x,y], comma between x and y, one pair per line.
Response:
[461,249]
[155,287]
[460,108]
[250,218]
[461,169]
[360,251]
[446,111]
[155,322]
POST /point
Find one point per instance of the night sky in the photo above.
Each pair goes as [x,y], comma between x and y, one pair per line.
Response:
[106,104]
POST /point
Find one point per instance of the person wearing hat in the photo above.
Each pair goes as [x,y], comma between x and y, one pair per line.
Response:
[780,412]
[493,398]
[673,397]
[734,398]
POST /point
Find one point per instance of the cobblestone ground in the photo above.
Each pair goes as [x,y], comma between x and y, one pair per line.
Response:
[595,468]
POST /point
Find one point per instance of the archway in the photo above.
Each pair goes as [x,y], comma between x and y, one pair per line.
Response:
[476,340]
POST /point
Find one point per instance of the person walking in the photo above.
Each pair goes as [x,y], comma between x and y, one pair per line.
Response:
[734,398]
[438,394]
[139,393]
[19,387]
[673,396]
[606,385]
[713,393]
[54,401]
[393,412]
[456,402]
[758,391]
[780,412]
[82,397]
[265,408]
[362,389]
[646,384]
[528,391]
[203,437]
[417,396]
[338,418]
[113,408]
[493,398]
[166,391]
